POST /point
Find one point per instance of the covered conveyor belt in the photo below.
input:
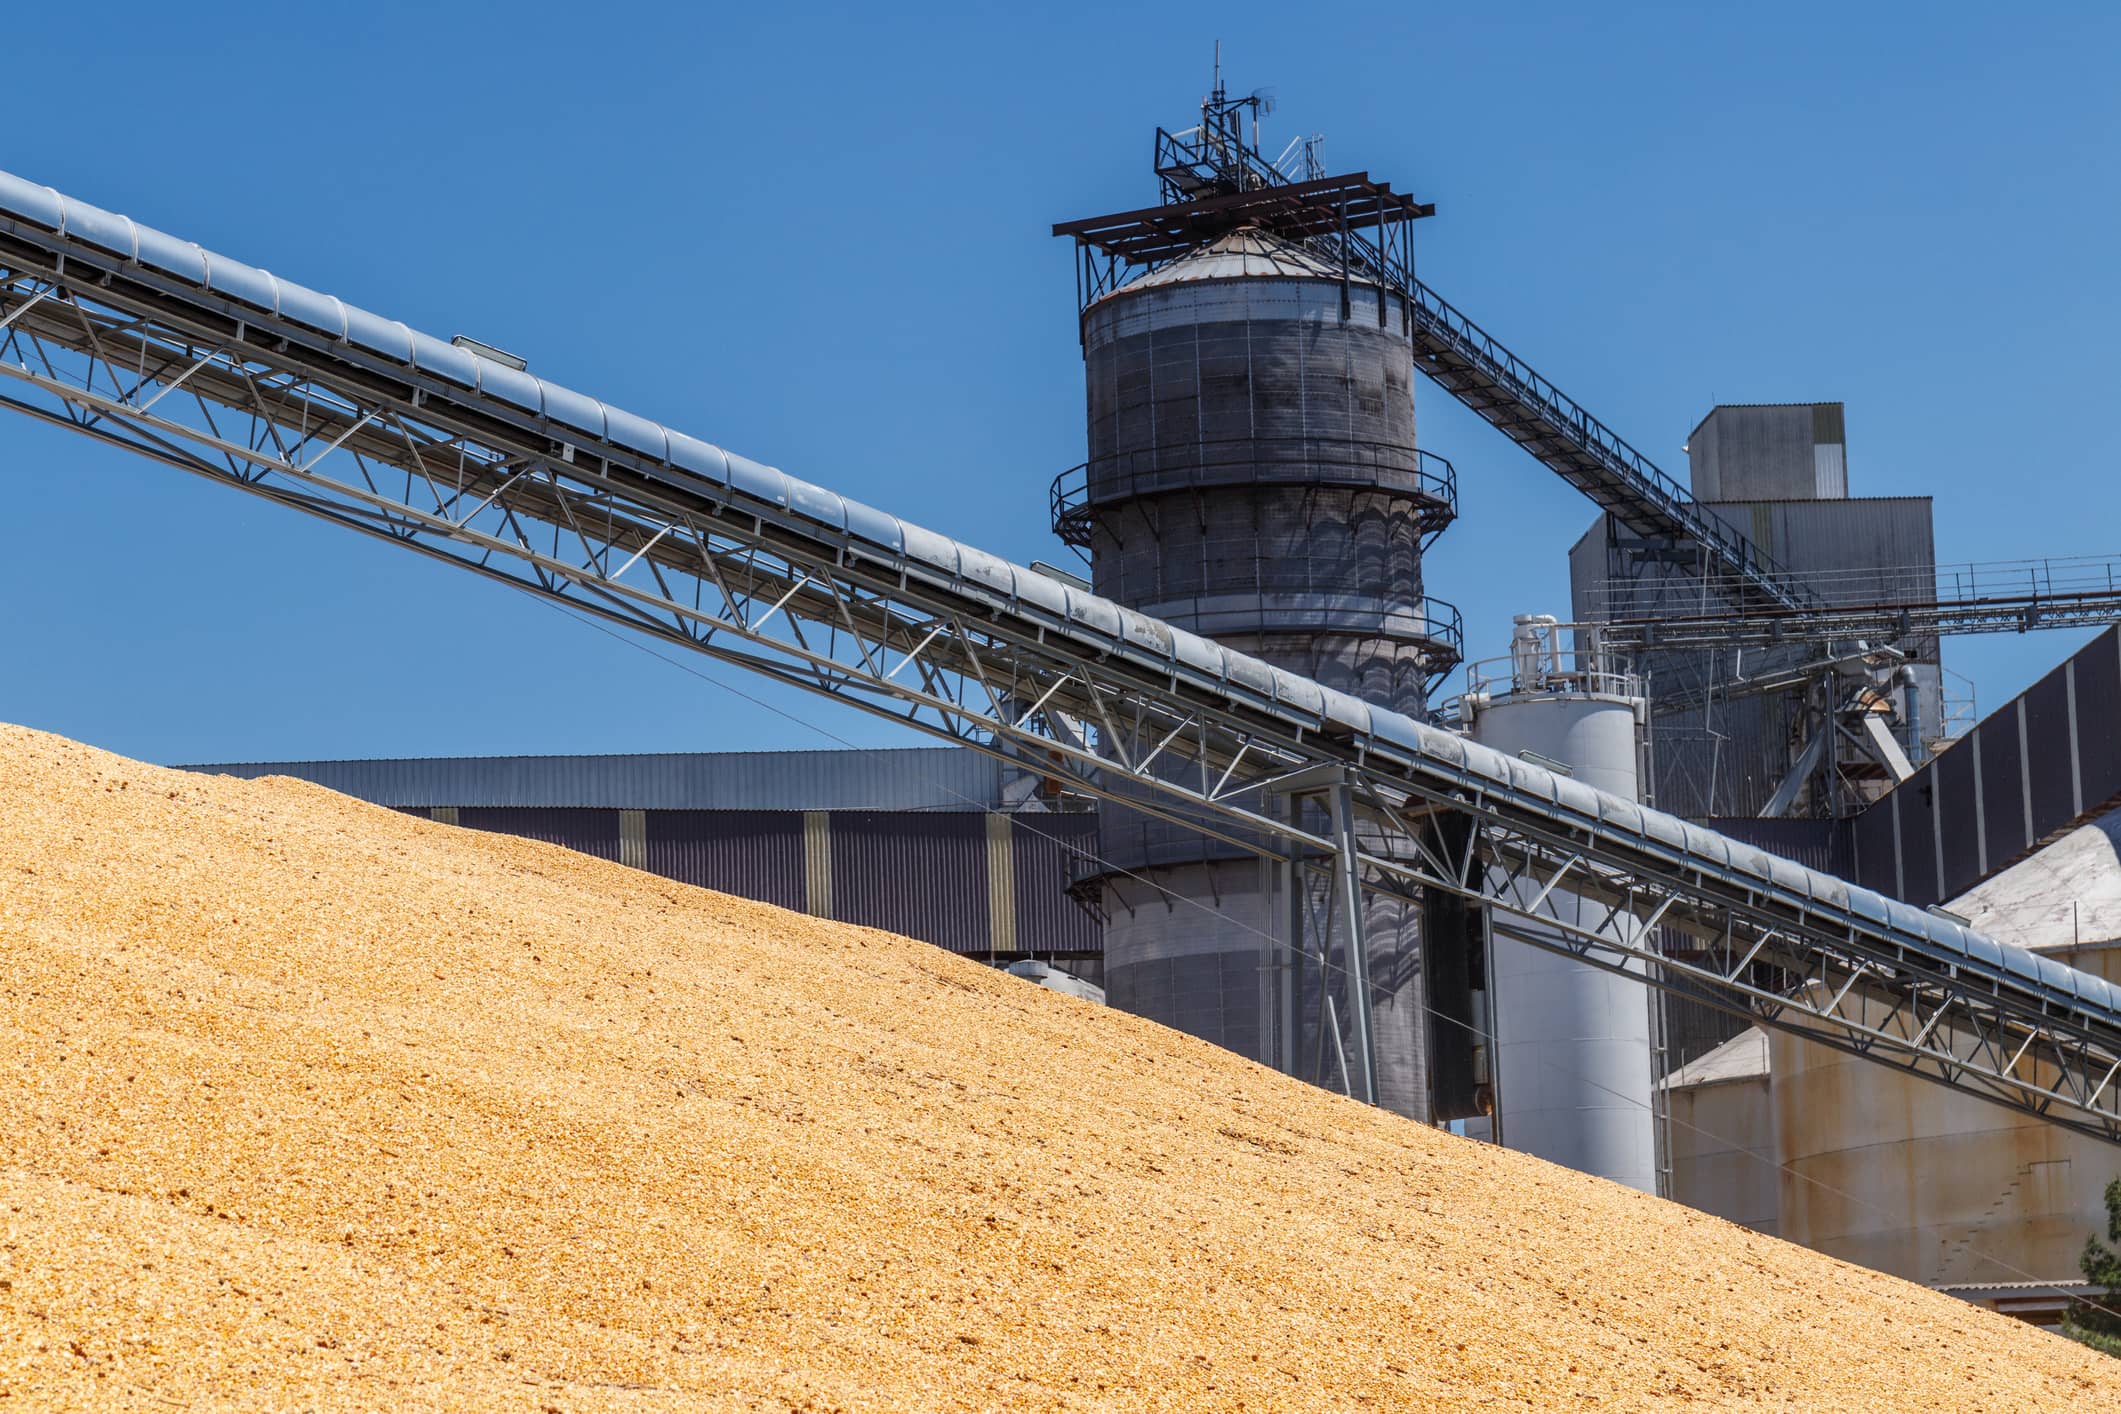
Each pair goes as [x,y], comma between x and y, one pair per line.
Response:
[209,365]
[1469,363]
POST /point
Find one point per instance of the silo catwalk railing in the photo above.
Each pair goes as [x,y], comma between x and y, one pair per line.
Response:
[134,338]
[2011,596]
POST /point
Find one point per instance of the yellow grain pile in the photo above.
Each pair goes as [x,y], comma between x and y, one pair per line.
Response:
[304,1104]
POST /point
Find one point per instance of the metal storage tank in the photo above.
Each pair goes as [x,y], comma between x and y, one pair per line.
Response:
[1905,1176]
[1253,477]
[1573,1043]
[1723,1154]
[1901,1175]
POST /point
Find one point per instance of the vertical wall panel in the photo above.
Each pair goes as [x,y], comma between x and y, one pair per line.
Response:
[2047,766]
[1918,841]
[2098,671]
[925,877]
[2004,828]
[754,854]
[590,831]
[1872,840]
[1961,819]
[1048,921]
[2047,733]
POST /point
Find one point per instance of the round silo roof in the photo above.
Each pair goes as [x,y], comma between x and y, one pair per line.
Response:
[1246,253]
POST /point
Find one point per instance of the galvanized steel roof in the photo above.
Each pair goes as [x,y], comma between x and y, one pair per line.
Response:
[1239,255]
[915,778]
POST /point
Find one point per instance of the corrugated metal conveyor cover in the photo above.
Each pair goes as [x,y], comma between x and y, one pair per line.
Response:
[1525,778]
[1153,635]
[757,480]
[522,390]
[40,206]
[1304,695]
[1487,762]
[877,530]
[638,434]
[1790,875]
[1351,712]
[445,361]
[187,262]
[327,315]
[1828,889]
[689,454]
[103,229]
[1667,830]
[1704,844]
[1399,730]
[577,410]
[827,508]
[937,553]
[257,288]
[1200,654]
[1253,676]
[1048,596]
[1576,796]
[1094,618]
[988,571]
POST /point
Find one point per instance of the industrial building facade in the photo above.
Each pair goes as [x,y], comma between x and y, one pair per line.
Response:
[1730,725]
[924,842]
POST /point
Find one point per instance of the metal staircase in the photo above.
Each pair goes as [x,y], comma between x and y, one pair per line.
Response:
[1471,365]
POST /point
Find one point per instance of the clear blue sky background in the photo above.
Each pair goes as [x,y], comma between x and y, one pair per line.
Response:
[817,235]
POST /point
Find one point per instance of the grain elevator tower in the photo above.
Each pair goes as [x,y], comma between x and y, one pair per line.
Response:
[1253,477]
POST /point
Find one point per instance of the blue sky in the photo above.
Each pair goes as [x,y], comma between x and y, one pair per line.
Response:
[817,235]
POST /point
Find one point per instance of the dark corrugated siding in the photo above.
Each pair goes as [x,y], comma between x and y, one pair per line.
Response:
[590,831]
[1874,869]
[924,876]
[754,854]
[2007,830]
[2047,733]
[920,873]
[2099,719]
[1825,845]
[1047,920]
[1960,839]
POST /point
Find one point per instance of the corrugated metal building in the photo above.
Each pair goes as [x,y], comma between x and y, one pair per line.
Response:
[930,842]
[912,778]
[2042,765]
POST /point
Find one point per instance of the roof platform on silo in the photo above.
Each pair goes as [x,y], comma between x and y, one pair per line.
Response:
[1323,206]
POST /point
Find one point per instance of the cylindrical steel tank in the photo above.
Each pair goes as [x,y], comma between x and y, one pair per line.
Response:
[1897,1173]
[1253,477]
[1573,1059]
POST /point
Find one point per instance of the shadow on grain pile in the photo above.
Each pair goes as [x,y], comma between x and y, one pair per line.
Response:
[309,1104]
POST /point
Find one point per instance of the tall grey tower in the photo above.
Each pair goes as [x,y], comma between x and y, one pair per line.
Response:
[1253,477]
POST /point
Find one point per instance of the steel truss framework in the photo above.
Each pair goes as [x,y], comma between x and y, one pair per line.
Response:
[131,358]
[1878,624]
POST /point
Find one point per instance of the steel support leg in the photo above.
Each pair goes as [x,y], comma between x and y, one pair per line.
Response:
[1347,883]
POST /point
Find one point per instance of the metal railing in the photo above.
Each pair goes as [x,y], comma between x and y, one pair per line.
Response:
[1434,624]
[1078,494]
